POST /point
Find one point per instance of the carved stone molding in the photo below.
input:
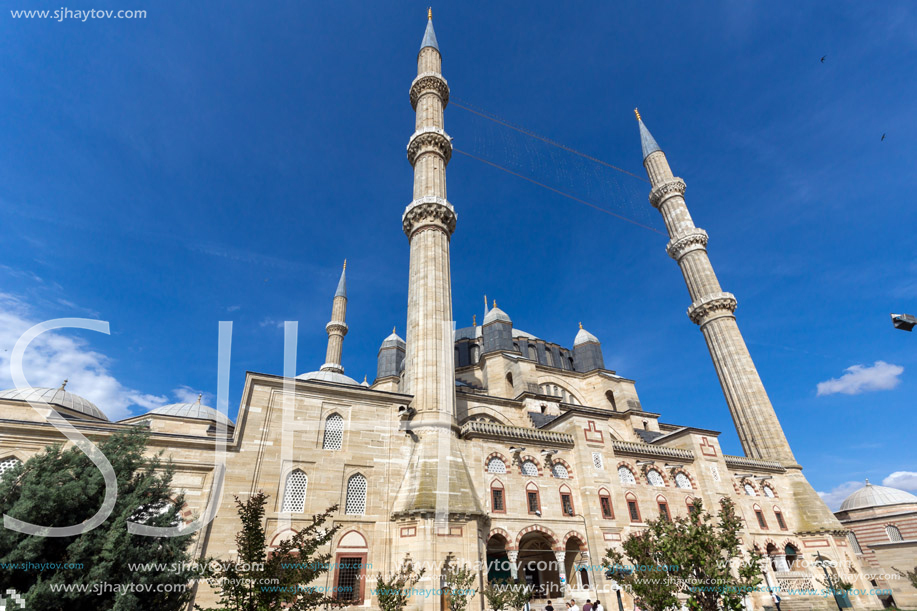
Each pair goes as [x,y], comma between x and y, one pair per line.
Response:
[682,245]
[433,212]
[430,139]
[710,306]
[336,326]
[675,186]
[429,81]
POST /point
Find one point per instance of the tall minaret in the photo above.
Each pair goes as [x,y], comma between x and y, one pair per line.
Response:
[429,221]
[712,310]
[337,328]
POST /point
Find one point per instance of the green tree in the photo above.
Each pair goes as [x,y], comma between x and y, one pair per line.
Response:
[506,595]
[394,592]
[258,581]
[701,551]
[63,487]
[459,580]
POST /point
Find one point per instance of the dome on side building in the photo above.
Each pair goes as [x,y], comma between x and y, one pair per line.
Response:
[194,410]
[876,496]
[55,396]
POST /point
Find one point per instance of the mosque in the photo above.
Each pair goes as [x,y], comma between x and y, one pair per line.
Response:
[487,445]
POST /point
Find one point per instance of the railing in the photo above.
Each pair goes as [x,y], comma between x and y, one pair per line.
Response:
[477,428]
[744,462]
[650,450]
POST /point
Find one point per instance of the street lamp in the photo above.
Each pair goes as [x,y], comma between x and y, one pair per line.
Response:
[823,563]
[905,322]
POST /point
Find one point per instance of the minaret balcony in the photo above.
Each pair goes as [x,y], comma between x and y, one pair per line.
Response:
[712,306]
[683,244]
[669,188]
[429,210]
[429,82]
[430,139]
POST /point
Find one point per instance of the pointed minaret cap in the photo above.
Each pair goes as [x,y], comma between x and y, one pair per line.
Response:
[584,337]
[429,37]
[646,138]
[342,283]
[393,341]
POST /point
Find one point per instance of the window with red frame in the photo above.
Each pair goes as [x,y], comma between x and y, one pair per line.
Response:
[664,511]
[566,503]
[605,503]
[633,510]
[780,521]
[498,503]
[534,504]
[761,522]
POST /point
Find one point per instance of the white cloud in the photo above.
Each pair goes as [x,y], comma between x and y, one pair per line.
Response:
[57,355]
[904,480]
[271,322]
[186,394]
[834,498]
[863,378]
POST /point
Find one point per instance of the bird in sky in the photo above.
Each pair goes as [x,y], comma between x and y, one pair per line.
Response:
[823,58]
[883,138]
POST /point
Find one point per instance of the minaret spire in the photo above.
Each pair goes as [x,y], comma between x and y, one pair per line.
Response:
[712,310]
[337,328]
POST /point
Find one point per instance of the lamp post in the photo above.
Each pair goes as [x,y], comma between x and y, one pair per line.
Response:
[820,561]
[594,584]
[905,322]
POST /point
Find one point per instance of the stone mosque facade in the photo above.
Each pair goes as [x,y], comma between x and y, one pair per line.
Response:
[486,444]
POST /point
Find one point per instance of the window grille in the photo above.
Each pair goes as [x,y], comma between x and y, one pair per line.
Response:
[567,504]
[626,476]
[597,461]
[760,517]
[529,468]
[356,496]
[715,472]
[606,507]
[780,521]
[498,500]
[349,572]
[7,464]
[334,433]
[294,492]
[894,535]
[634,512]
[664,511]
[533,501]
[749,490]
[654,478]
[854,543]
[560,471]
[496,465]
[768,492]
[682,481]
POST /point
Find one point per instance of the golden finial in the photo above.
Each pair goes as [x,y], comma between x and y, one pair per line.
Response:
[495,303]
[345,263]
[364,379]
[637,112]
[474,320]
[430,12]
[581,325]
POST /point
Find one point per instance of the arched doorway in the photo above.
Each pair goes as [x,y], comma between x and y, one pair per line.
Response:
[538,565]
[576,559]
[498,562]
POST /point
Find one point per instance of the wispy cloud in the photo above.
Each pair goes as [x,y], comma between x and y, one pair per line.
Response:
[56,355]
[905,480]
[837,495]
[186,394]
[271,322]
[863,378]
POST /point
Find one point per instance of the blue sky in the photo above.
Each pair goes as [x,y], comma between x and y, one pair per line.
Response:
[218,161]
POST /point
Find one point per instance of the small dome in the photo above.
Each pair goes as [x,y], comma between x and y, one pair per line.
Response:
[55,396]
[876,496]
[192,410]
[496,314]
[584,337]
[327,376]
[393,341]
[364,382]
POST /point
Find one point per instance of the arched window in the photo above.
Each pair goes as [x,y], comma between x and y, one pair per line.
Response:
[334,433]
[294,492]
[780,521]
[532,498]
[497,497]
[548,357]
[533,352]
[356,495]
[663,508]
[496,465]
[566,501]
[605,504]
[691,507]
[509,385]
[475,353]
[529,468]
[894,535]
[760,516]
[559,471]
[768,492]
[654,478]
[749,489]
[791,555]
[626,476]
[611,400]
[682,481]
[633,509]
[8,464]
[854,543]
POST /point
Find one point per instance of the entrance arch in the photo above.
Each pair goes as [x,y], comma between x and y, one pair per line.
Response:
[499,566]
[538,565]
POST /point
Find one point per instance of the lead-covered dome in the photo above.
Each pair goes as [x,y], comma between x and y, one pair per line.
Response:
[327,376]
[876,496]
[194,410]
[584,337]
[495,314]
[55,396]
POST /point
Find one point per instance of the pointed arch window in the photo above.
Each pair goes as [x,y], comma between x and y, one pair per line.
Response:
[334,433]
[566,501]
[356,495]
[894,535]
[760,516]
[854,543]
[632,508]
[496,465]
[663,509]
[294,492]
[497,497]
[780,521]
[605,504]
[626,476]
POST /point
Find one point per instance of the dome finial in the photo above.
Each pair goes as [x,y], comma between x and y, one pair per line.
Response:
[394,327]
[200,396]
[474,320]
[430,12]
[345,263]
[63,385]
[495,303]
[867,482]
[581,325]
[637,112]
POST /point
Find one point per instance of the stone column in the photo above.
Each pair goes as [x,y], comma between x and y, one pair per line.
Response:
[562,570]
[513,556]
